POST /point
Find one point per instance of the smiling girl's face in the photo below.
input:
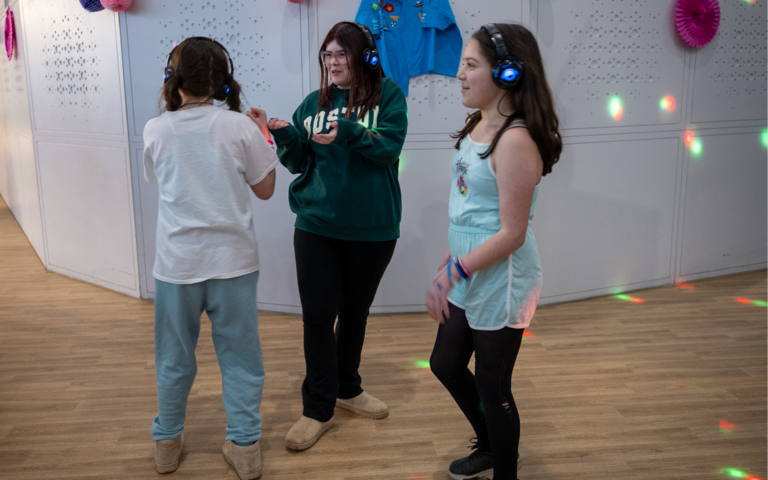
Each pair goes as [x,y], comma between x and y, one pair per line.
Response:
[477,87]
[337,66]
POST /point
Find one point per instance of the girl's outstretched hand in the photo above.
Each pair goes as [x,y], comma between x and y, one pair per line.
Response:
[436,297]
[276,123]
[327,138]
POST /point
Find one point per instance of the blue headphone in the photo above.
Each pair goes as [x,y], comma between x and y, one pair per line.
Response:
[220,95]
[370,54]
[508,72]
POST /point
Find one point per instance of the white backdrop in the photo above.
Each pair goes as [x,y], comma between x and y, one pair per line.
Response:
[627,207]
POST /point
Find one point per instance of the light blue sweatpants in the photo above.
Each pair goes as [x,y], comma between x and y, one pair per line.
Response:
[231,306]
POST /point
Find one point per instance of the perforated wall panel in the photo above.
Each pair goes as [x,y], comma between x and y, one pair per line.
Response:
[262,36]
[75,69]
[730,72]
[600,52]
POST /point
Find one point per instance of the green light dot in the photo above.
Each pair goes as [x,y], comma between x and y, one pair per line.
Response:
[760,303]
[736,473]
[623,297]
[421,363]
[696,148]
[764,138]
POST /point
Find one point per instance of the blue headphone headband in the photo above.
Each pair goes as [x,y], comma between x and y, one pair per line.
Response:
[508,71]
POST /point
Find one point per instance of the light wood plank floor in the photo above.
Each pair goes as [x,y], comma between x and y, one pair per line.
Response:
[607,389]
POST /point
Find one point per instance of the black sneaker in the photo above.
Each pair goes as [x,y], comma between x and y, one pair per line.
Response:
[478,464]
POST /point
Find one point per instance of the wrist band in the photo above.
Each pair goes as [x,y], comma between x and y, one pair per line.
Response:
[457,262]
[466,270]
[450,277]
[270,142]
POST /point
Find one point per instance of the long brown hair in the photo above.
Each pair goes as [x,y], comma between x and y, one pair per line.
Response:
[531,100]
[365,87]
[200,67]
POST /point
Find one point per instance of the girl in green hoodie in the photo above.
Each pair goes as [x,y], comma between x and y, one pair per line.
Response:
[344,145]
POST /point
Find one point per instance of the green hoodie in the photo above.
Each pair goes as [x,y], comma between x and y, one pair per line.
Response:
[348,189]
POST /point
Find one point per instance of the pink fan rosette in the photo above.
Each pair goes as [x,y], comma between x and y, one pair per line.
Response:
[116,5]
[10,34]
[697,20]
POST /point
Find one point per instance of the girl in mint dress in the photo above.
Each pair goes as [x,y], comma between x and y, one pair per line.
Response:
[488,286]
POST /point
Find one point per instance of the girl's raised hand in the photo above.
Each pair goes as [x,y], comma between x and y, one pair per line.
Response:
[327,138]
[276,123]
[258,116]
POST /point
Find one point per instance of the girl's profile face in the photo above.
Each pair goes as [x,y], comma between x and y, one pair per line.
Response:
[477,87]
[335,59]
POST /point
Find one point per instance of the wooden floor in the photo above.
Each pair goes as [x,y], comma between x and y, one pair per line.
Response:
[607,389]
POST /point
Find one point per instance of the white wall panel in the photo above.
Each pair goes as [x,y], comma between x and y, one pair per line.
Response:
[31,213]
[263,37]
[724,223]
[425,181]
[604,220]
[730,72]
[75,68]
[595,50]
[90,229]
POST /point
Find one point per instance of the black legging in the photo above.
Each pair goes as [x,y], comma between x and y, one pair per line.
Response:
[335,277]
[495,420]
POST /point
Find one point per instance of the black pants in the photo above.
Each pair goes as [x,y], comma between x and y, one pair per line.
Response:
[485,398]
[336,277]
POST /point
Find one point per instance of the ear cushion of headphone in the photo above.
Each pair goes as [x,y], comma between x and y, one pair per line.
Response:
[508,74]
[371,58]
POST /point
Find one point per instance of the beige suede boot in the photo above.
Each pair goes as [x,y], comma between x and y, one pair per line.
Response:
[365,405]
[167,453]
[306,432]
[245,460]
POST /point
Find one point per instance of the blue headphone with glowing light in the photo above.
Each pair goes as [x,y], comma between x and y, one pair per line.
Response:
[220,95]
[508,72]
[370,54]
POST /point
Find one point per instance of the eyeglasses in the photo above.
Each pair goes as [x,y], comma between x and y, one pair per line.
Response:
[340,56]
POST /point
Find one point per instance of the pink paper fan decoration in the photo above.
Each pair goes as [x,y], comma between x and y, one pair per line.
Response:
[697,20]
[10,34]
[116,5]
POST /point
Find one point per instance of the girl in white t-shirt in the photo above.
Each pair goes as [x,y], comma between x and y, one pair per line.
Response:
[206,161]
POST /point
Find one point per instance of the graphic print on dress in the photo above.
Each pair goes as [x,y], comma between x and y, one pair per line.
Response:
[462,168]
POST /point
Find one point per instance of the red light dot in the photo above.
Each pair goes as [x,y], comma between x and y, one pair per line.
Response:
[637,300]
[743,300]
[685,286]
[689,138]
[724,424]
[527,334]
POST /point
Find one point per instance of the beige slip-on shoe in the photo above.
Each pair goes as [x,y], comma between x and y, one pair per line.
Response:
[245,460]
[365,405]
[306,432]
[167,453]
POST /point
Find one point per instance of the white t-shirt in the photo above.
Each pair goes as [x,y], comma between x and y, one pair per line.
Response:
[204,160]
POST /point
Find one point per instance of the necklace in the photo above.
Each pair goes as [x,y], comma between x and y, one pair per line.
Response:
[195,103]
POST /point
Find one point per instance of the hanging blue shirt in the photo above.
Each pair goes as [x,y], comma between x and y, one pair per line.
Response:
[413,37]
